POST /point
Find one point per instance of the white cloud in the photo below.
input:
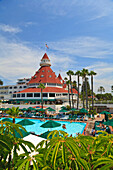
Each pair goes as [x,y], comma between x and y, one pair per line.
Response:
[89,47]
[17,60]
[10,29]
[104,75]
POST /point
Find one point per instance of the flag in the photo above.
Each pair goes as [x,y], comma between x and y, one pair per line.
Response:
[46,46]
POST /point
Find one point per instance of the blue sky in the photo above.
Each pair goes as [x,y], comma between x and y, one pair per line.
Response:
[79,34]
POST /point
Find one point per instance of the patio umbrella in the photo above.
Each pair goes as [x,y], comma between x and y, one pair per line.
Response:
[109,122]
[51,110]
[2,109]
[7,109]
[50,124]
[63,107]
[25,122]
[45,134]
[17,135]
[104,112]
[83,110]
[62,110]
[41,110]
[30,108]
[48,108]
[73,109]
[24,109]
[7,120]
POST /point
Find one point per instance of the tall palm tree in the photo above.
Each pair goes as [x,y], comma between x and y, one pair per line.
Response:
[68,83]
[84,73]
[41,86]
[92,73]
[78,77]
[1,82]
[13,112]
[101,89]
[71,73]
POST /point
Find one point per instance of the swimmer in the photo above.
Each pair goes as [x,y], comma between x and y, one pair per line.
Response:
[64,126]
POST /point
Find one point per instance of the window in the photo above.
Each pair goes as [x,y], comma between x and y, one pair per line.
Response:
[48,70]
[10,87]
[20,87]
[36,94]
[14,95]
[15,87]
[25,86]
[23,95]
[42,70]
[50,76]
[45,95]
[42,76]
[29,94]
[51,94]
[65,94]
[18,95]
[10,92]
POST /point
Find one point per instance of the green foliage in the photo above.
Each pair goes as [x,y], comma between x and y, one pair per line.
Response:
[88,88]
[1,82]
[60,152]
[106,96]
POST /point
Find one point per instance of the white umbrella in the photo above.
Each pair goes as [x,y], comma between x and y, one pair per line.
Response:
[34,140]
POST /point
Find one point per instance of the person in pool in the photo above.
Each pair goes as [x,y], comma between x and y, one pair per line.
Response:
[64,126]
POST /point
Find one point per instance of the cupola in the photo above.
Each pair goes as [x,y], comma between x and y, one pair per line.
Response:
[45,61]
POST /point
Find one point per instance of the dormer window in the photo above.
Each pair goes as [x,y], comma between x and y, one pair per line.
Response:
[42,70]
[42,76]
[48,70]
[50,76]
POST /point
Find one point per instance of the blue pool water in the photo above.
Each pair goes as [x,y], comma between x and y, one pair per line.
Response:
[71,128]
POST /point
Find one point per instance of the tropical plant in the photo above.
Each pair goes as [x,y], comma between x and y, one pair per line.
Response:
[1,82]
[41,86]
[10,145]
[71,73]
[68,83]
[101,89]
[84,73]
[92,73]
[78,73]
[13,112]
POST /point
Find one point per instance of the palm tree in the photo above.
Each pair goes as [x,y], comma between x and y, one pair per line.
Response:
[10,145]
[1,82]
[42,87]
[84,73]
[68,83]
[70,73]
[78,76]
[101,89]
[92,73]
[13,112]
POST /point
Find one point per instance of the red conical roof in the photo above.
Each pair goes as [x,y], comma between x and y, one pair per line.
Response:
[45,57]
[59,76]
[45,75]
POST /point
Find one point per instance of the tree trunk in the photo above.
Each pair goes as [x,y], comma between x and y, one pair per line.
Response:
[92,90]
[78,94]
[83,96]
[69,96]
[42,98]
[13,120]
[71,93]
[9,162]
[86,93]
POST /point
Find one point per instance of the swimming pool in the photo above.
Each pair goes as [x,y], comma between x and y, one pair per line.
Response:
[71,128]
